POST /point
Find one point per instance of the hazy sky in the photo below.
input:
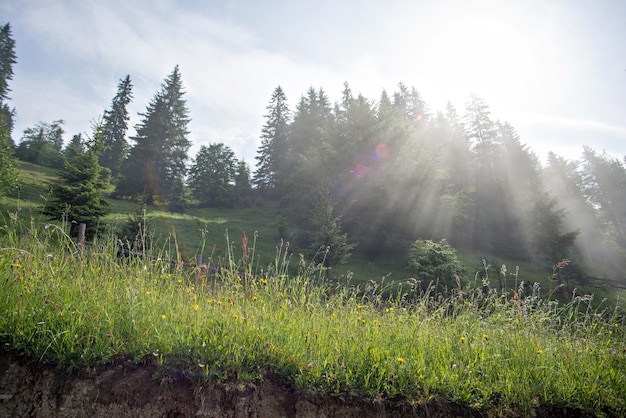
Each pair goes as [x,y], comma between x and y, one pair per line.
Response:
[554,69]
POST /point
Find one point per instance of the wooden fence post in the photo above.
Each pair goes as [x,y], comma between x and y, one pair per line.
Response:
[81,237]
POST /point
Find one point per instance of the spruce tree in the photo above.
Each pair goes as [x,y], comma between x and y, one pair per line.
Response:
[156,164]
[8,171]
[212,175]
[7,59]
[115,126]
[242,190]
[274,144]
[78,198]
[75,146]
[329,244]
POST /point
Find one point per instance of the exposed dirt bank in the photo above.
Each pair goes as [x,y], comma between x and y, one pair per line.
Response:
[125,389]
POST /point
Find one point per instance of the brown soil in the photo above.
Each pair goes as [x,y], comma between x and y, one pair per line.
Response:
[125,389]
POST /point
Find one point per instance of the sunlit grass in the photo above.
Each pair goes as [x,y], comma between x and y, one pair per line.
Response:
[482,350]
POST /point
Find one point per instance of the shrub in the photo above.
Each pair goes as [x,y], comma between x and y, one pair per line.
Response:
[435,261]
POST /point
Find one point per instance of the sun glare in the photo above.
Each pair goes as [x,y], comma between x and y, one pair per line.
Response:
[484,53]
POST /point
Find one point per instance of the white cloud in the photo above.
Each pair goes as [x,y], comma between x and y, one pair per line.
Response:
[566,136]
[72,53]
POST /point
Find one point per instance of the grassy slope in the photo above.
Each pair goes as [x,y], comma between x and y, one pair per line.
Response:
[205,230]
[502,352]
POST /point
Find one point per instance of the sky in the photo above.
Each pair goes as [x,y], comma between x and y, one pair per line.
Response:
[554,69]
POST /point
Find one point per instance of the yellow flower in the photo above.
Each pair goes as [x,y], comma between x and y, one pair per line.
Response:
[163,316]
[253,298]
[462,339]
[251,317]
[219,302]
[147,292]
[539,352]
[16,265]
[400,360]
[235,316]
[485,337]
[180,280]
[195,307]
[359,306]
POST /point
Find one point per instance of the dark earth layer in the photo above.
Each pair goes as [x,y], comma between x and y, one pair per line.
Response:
[125,389]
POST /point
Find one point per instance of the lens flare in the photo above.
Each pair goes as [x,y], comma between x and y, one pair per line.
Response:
[382,150]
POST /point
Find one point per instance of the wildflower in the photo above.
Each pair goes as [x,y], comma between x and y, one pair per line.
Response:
[462,339]
[219,302]
[209,301]
[195,307]
[109,335]
[235,316]
[400,360]
[309,366]
[540,352]
[253,298]
[47,301]
[180,281]
[163,316]
[251,317]
[147,292]
[485,337]
[359,306]
[16,265]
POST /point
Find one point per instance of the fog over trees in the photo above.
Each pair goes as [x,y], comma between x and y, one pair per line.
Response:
[389,167]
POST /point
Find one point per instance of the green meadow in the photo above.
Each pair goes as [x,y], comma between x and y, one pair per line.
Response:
[370,331]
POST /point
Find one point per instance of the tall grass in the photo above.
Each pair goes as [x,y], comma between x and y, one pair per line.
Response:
[236,319]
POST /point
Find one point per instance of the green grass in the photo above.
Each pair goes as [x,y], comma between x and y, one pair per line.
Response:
[496,351]
[203,230]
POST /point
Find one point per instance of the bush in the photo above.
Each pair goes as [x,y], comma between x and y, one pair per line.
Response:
[435,260]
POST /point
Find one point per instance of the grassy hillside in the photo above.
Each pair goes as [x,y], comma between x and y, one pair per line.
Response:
[495,353]
[206,230]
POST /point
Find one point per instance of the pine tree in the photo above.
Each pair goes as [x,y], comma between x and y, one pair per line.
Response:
[75,146]
[7,59]
[274,144]
[242,190]
[212,175]
[156,163]
[329,245]
[605,188]
[115,126]
[8,171]
[78,198]
[303,171]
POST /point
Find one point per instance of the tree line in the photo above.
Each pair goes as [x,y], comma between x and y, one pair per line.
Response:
[381,171]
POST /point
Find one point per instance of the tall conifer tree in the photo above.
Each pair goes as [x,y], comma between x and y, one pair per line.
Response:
[7,59]
[156,163]
[78,198]
[115,126]
[8,172]
[274,144]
